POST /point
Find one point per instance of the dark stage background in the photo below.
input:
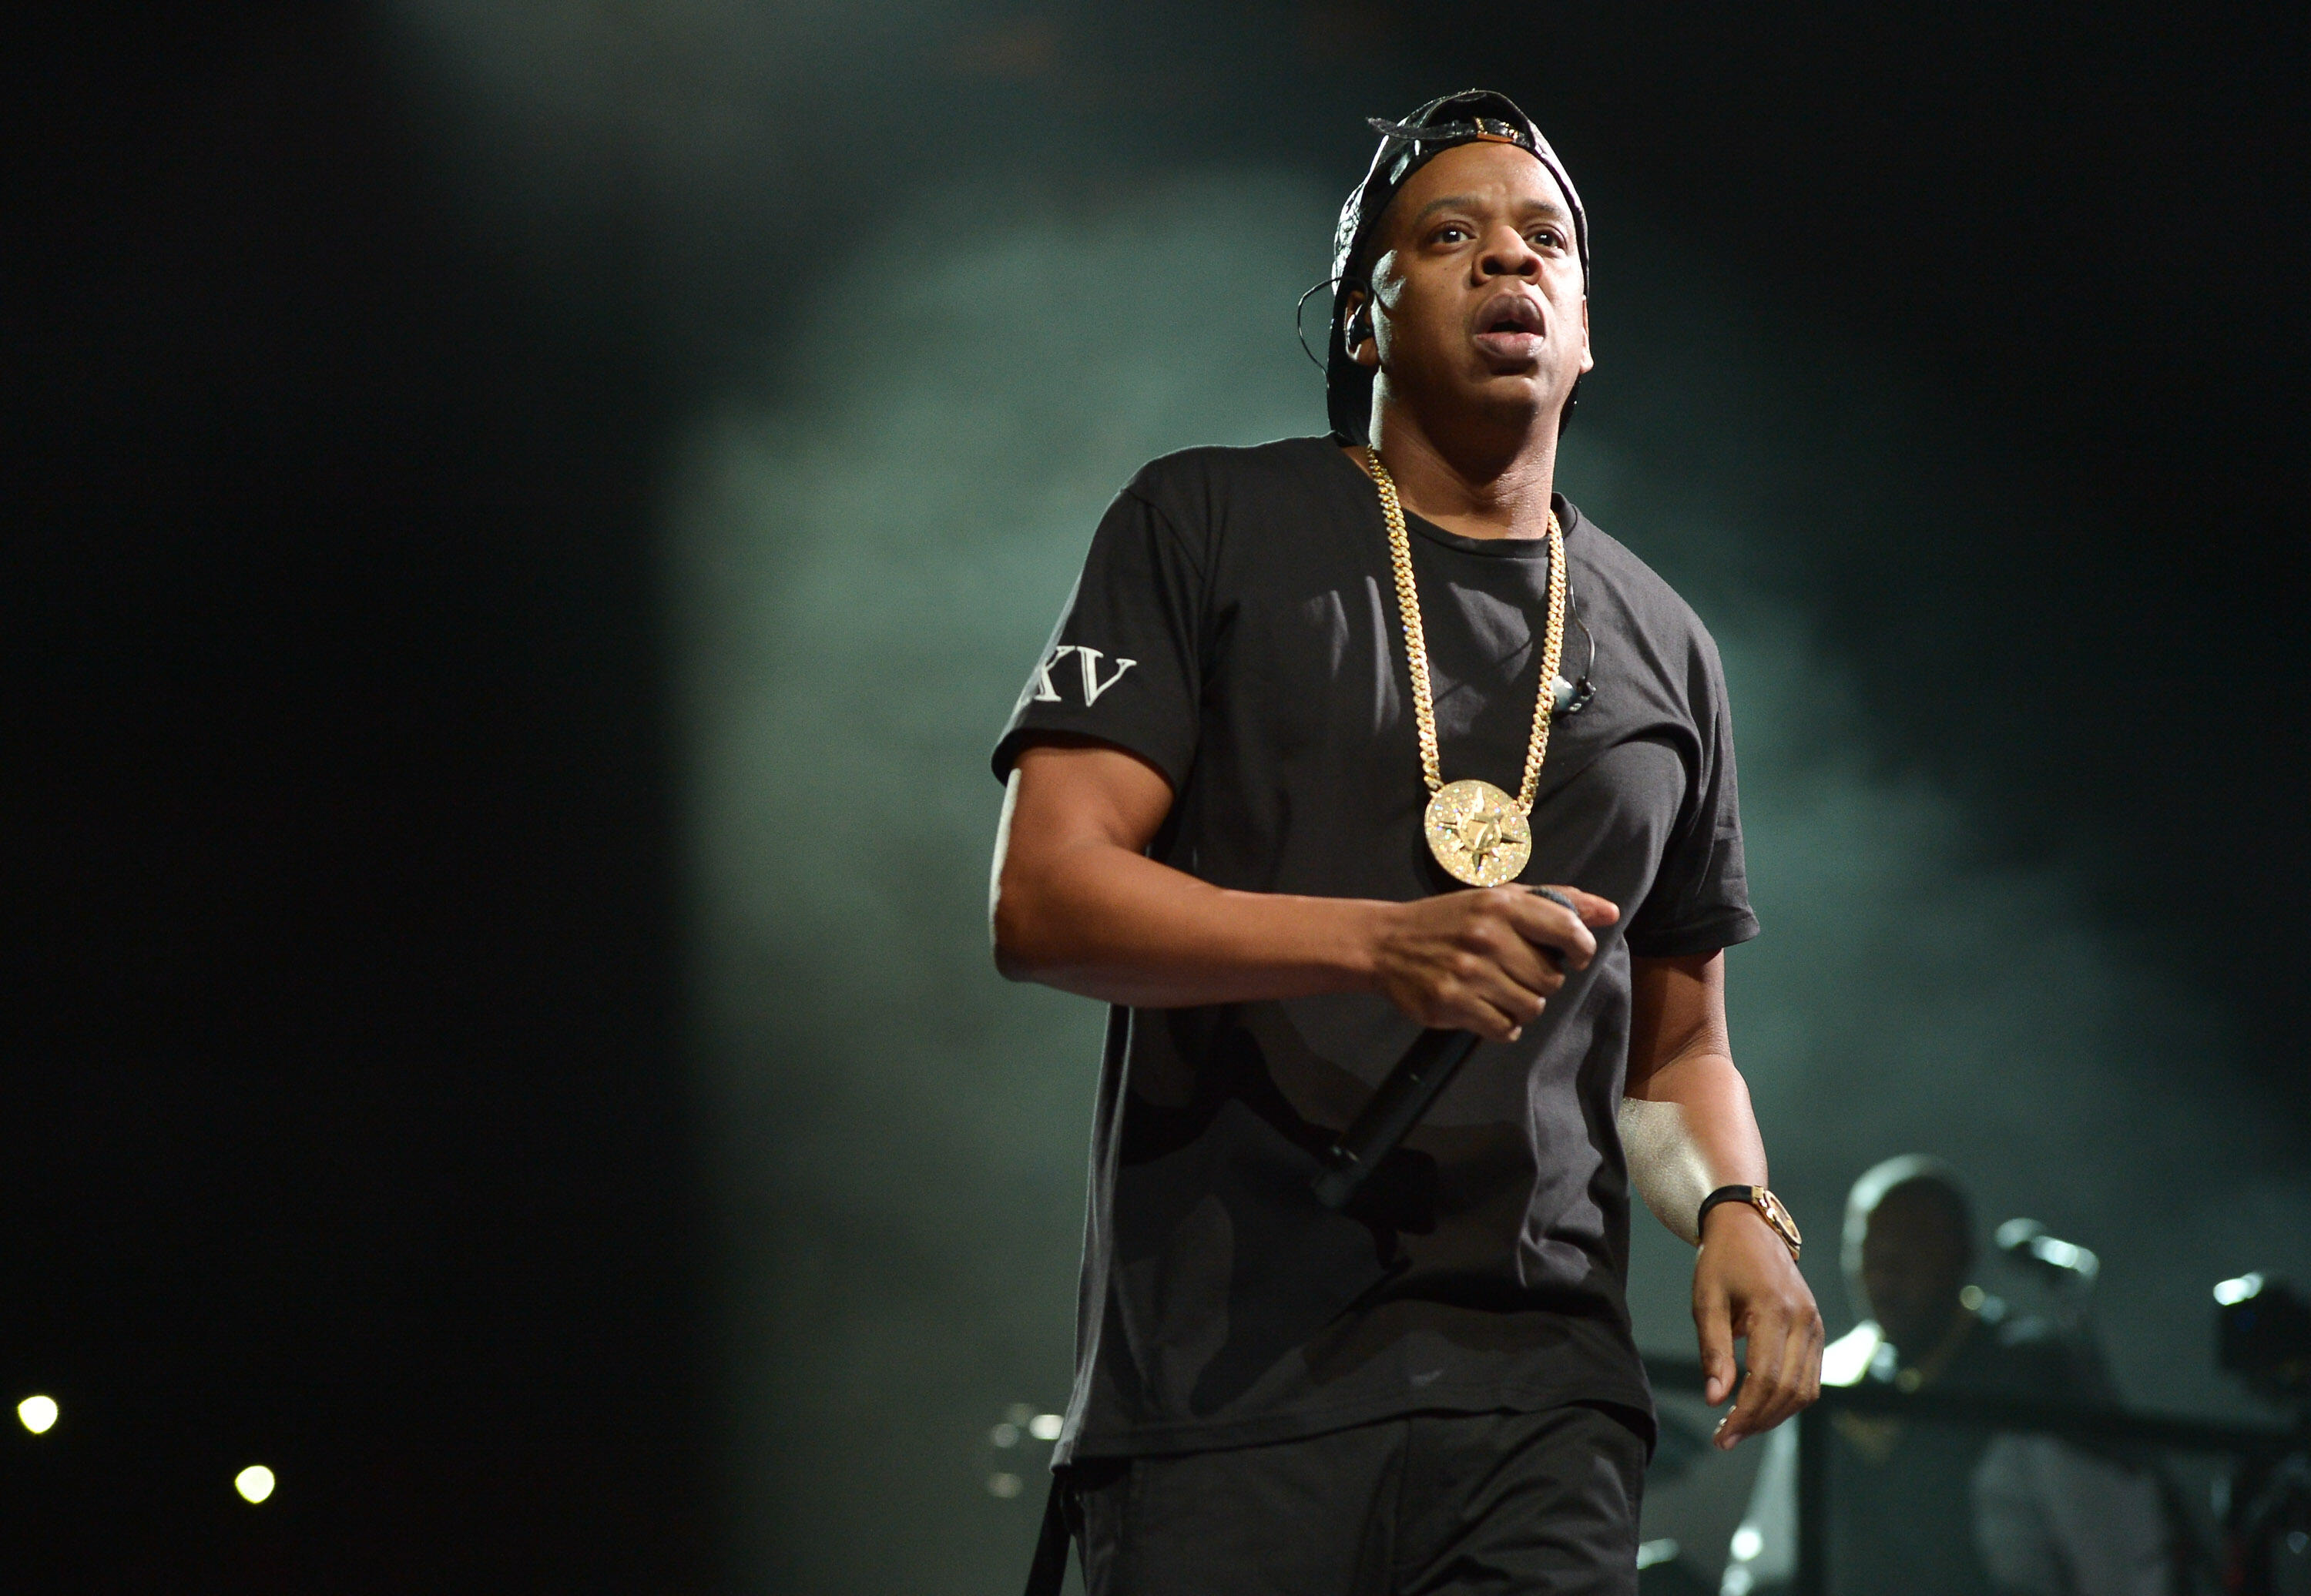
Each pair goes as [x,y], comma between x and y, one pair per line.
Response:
[431,1073]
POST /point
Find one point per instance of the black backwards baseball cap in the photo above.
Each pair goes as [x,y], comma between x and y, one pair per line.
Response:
[1473,115]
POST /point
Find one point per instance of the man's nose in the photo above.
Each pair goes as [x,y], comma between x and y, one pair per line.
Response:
[1508,253]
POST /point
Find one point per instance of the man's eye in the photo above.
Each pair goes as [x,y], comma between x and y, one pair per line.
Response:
[1451,233]
[1548,238]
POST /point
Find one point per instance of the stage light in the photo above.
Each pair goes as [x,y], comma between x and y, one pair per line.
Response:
[1005,1435]
[1006,1486]
[37,1414]
[2228,1292]
[1747,1541]
[1046,1426]
[255,1483]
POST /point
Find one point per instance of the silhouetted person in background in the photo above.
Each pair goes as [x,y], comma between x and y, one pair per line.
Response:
[1952,1510]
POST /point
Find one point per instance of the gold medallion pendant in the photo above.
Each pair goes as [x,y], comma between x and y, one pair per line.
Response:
[1477,834]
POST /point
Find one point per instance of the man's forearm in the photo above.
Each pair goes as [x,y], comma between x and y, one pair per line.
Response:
[1687,1131]
[1099,920]
[1077,904]
[1126,930]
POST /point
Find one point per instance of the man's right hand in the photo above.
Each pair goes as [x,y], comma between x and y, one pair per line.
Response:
[1485,960]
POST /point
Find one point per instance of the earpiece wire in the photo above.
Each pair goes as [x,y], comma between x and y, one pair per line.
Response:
[1300,331]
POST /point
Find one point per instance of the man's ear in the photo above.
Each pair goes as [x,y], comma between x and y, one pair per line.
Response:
[1357,331]
[1588,357]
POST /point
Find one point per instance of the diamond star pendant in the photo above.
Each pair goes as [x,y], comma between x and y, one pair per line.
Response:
[1476,834]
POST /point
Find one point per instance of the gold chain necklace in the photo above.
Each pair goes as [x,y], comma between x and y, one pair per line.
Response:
[1477,832]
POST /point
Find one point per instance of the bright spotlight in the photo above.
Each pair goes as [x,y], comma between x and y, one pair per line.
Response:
[1046,1426]
[255,1483]
[1651,1554]
[37,1413]
[2229,1292]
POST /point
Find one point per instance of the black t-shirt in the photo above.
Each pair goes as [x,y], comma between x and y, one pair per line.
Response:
[1235,625]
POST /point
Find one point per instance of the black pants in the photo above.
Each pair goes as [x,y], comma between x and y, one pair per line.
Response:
[1424,1505]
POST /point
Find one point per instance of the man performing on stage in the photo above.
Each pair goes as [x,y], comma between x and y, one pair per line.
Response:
[1302,773]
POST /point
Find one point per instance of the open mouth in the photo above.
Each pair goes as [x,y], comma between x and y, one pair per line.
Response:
[1513,316]
[1512,325]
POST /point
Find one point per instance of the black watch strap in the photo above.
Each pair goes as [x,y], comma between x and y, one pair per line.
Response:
[1764,1202]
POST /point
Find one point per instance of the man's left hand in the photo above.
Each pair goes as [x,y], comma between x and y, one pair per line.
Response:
[1747,1285]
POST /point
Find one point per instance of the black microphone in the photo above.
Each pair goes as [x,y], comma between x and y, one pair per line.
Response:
[1427,1068]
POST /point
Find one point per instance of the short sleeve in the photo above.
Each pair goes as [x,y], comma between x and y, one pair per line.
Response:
[1700,898]
[1124,664]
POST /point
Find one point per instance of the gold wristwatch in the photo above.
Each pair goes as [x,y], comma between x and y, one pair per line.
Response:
[1766,1203]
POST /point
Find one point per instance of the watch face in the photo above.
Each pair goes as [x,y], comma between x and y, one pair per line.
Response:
[1779,1219]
